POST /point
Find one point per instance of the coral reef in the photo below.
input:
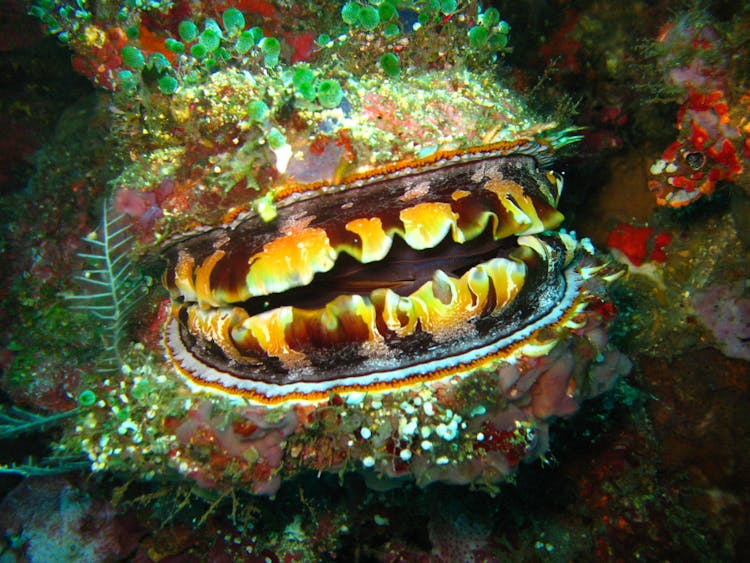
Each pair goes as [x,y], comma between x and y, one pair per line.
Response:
[343,312]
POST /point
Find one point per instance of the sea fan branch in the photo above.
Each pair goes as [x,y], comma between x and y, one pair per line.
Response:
[15,421]
[47,466]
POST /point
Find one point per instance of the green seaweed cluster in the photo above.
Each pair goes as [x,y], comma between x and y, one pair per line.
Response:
[309,86]
[490,32]
[196,53]
[393,35]
[391,30]
[365,36]
[68,19]
[386,14]
[200,51]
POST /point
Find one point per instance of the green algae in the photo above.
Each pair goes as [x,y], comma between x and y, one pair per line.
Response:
[390,65]
[133,57]
[257,111]
[188,31]
[87,398]
[233,20]
[330,93]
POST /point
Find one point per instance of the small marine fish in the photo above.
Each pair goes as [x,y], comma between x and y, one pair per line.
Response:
[713,146]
